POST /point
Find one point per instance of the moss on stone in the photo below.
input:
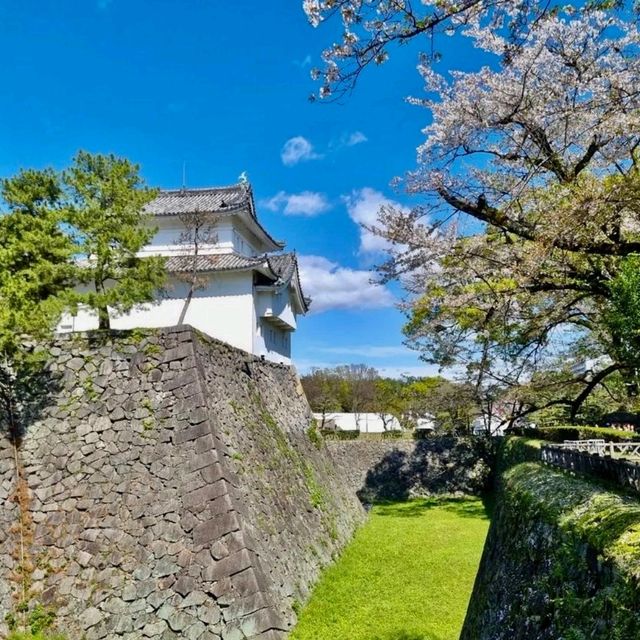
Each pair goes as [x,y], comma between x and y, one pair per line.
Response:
[562,558]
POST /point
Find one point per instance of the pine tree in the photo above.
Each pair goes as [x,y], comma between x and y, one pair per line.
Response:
[36,276]
[107,197]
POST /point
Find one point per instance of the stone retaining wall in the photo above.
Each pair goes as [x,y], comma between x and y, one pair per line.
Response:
[174,492]
[561,561]
[410,468]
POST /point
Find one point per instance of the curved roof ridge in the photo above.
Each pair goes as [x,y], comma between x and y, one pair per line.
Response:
[286,271]
[229,187]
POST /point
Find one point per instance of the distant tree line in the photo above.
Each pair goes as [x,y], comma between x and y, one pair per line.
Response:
[358,388]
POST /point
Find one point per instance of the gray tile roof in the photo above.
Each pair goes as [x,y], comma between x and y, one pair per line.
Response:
[219,200]
[284,266]
[218,262]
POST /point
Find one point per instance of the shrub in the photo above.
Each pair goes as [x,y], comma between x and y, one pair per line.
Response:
[38,624]
[314,435]
[330,434]
[28,635]
[560,433]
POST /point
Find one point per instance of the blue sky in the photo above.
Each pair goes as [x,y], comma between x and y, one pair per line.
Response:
[223,87]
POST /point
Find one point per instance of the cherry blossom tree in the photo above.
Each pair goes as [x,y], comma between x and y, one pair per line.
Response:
[371,28]
[530,191]
[543,153]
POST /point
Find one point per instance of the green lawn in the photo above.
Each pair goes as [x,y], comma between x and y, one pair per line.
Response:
[407,575]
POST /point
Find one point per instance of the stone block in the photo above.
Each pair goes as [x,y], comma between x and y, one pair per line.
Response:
[184,585]
[261,621]
[241,607]
[191,433]
[245,583]
[91,617]
[205,494]
[154,629]
[228,566]
[202,460]
[212,473]
[215,528]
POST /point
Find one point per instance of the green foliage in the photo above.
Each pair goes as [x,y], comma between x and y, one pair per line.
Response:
[408,574]
[564,555]
[33,624]
[579,594]
[106,201]
[357,389]
[514,450]
[314,435]
[622,315]
[329,434]
[576,432]
[36,272]
[317,495]
[93,210]
[454,405]
[27,635]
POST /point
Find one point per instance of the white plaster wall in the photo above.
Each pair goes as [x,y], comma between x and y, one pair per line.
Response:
[272,342]
[276,304]
[166,240]
[227,237]
[224,310]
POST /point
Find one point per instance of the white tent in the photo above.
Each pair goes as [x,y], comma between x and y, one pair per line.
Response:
[364,422]
[426,423]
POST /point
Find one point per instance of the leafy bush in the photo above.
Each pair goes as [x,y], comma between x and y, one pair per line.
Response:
[330,434]
[314,435]
[28,635]
[38,623]
[421,434]
[560,433]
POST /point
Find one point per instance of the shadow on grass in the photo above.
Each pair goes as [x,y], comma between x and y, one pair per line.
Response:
[405,635]
[463,507]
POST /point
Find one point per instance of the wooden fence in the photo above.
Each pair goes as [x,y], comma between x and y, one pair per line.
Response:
[602,448]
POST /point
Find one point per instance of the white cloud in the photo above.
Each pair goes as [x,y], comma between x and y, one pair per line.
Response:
[363,206]
[357,137]
[331,286]
[305,203]
[297,149]
[347,139]
[305,62]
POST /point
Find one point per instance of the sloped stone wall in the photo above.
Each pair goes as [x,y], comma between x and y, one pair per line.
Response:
[561,560]
[9,548]
[174,491]
[401,469]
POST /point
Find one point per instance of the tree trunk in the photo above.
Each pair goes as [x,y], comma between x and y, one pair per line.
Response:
[104,322]
[103,318]
[185,306]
